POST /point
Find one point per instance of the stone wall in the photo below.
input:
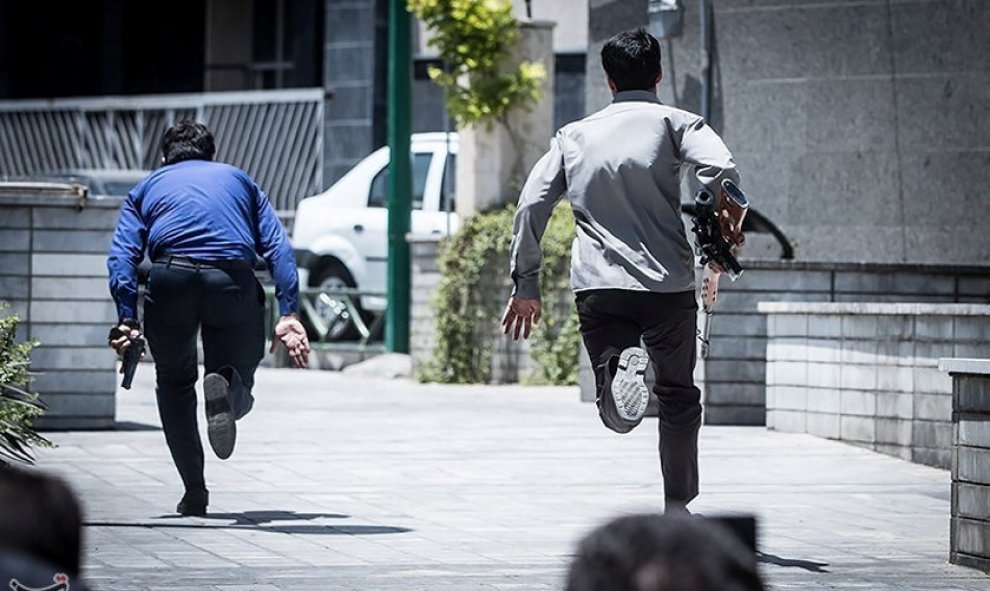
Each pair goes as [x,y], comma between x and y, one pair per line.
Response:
[735,372]
[969,535]
[850,121]
[53,273]
[354,62]
[868,373]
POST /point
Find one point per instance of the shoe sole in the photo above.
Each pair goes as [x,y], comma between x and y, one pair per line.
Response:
[220,425]
[629,387]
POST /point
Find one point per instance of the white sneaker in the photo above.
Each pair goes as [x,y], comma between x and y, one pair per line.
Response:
[628,386]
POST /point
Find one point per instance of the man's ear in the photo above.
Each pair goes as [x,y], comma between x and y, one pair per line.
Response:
[611,83]
[659,77]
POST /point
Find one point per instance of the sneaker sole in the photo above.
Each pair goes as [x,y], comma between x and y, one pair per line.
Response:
[628,386]
[220,426]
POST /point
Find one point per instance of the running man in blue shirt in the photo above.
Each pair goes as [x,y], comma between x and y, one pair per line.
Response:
[203,223]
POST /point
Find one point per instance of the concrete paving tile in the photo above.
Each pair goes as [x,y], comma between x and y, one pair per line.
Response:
[476,487]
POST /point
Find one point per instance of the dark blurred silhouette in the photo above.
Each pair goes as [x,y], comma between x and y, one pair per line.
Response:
[40,531]
[664,553]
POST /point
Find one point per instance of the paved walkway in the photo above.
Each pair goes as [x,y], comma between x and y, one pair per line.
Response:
[348,483]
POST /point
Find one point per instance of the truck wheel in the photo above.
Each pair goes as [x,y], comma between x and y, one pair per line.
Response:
[332,310]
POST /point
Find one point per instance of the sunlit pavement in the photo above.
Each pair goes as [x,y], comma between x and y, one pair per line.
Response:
[346,483]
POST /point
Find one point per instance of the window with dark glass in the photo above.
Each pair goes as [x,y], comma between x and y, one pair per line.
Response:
[420,168]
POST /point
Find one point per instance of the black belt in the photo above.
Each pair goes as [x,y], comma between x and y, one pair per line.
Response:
[173,260]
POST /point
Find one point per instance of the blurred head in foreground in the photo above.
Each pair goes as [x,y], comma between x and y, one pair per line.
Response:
[663,553]
[40,521]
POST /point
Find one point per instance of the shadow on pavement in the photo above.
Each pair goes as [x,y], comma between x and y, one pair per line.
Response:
[256,520]
[262,517]
[808,565]
[326,530]
[133,426]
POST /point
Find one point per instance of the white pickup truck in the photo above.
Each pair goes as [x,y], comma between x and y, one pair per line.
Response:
[341,235]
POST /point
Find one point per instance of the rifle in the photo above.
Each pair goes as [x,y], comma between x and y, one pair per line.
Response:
[718,231]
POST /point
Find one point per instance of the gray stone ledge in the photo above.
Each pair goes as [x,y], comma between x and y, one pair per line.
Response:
[965,366]
[874,309]
[60,200]
[425,238]
[810,265]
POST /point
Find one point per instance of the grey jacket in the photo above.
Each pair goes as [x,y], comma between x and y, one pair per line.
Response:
[621,170]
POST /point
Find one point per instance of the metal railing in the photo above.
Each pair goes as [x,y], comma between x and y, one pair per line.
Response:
[276,136]
[325,312]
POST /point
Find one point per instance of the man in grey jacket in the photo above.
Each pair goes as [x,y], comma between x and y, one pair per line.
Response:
[632,266]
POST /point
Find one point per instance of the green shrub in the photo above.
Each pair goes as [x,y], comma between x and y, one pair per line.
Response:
[18,405]
[472,294]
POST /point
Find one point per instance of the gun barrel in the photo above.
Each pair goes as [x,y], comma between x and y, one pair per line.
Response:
[130,362]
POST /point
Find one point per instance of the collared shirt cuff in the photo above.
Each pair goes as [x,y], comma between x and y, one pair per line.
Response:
[125,310]
[527,289]
[286,307]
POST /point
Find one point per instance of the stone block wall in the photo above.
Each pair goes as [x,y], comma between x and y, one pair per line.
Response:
[868,374]
[734,385]
[969,543]
[53,274]
[848,120]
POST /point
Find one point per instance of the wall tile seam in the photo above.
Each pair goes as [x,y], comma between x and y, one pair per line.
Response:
[969,416]
[348,44]
[338,122]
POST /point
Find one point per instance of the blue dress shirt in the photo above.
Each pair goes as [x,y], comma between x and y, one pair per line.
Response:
[203,210]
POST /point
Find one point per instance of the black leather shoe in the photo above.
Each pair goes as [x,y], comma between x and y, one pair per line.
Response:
[194,502]
[220,426]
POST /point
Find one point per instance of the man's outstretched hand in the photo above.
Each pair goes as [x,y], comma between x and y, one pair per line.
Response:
[291,333]
[520,316]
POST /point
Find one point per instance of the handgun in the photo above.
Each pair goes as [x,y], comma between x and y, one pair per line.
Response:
[130,360]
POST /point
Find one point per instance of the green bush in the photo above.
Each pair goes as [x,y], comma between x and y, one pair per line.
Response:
[18,405]
[472,294]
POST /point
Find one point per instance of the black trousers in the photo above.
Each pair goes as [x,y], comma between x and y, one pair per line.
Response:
[666,323]
[227,305]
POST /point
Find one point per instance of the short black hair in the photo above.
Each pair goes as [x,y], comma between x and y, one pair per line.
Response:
[652,552]
[632,60]
[188,140]
[40,517]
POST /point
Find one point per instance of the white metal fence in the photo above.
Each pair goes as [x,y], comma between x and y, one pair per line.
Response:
[276,136]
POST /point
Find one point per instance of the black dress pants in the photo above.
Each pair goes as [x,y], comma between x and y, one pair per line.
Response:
[227,305]
[666,323]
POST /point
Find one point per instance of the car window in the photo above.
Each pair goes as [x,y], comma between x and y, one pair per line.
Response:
[379,186]
[449,184]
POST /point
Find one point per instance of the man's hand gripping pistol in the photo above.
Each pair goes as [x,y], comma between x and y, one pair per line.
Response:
[130,356]
[718,231]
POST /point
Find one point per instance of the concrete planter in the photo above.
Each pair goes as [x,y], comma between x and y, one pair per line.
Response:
[53,274]
[868,373]
[969,535]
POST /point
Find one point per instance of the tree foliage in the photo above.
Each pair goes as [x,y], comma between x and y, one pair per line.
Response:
[474,38]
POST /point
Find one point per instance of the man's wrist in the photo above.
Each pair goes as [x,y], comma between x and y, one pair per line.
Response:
[129,323]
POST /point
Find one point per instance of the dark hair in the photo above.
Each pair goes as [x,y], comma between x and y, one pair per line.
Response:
[632,60]
[663,553]
[188,140]
[40,517]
